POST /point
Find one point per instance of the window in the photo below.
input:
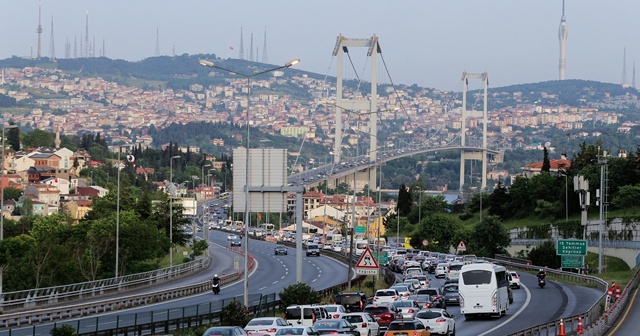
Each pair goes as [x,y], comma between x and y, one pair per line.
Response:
[477,277]
[503,279]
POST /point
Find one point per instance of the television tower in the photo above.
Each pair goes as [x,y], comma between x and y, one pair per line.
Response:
[562,36]
[241,52]
[39,30]
[251,48]
[157,42]
[265,59]
[52,44]
[633,75]
[624,66]
[87,48]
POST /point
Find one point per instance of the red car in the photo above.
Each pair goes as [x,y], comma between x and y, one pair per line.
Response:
[384,314]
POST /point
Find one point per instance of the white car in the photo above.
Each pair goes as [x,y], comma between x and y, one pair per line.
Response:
[408,308]
[335,311]
[415,283]
[327,246]
[514,279]
[423,280]
[365,324]
[337,247]
[232,237]
[265,325]
[404,290]
[385,296]
[441,270]
[439,321]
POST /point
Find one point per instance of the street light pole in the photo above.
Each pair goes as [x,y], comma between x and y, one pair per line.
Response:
[246,186]
[171,210]
[2,202]
[118,167]
[203,181]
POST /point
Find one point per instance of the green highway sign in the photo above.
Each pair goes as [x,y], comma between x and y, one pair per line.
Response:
[571,261]
[571,247]
[361,229]
[383,257]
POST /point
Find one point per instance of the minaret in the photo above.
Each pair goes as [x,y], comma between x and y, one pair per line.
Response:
[157,42]
[39,30]
[241,52]
[562,36]
[57,141]
[251,48]
[52,44]
[87,48]
[265,59]
[75,46]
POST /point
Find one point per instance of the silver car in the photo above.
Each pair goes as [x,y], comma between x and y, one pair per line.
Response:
[408,308]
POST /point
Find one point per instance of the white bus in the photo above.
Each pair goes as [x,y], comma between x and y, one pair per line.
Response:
[483,290]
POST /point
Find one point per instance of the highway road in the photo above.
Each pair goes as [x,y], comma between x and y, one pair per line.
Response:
[271,275]
[629,321]
[531,306]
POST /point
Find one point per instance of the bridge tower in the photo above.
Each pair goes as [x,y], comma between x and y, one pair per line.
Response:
[481,152]
[373,49]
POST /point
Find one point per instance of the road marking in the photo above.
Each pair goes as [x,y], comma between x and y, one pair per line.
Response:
[283,277]
[275,282]
[262,288]
[624,316]
[524,306]
[314,280]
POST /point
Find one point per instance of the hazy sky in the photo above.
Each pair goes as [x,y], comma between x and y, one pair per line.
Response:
[426,42]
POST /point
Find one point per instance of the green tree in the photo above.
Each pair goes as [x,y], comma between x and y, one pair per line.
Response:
[545,255]
[490,237]
[546,164]
[13,138]
[626,197]
[12,193]
[37,138]
[404,200]
[439,229]
[234,314]
[298,293]
[497,199]
[63,330]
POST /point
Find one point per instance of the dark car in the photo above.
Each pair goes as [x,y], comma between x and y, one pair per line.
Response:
[451,295]
[352,302]
[335,326]
[384,314]
[236,242]
[437,299]
[423,300]
[280,250]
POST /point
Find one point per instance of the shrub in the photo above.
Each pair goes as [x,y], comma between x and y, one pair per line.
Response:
[299,293]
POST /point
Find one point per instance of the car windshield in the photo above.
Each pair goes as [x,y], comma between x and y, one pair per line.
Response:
[331,309]
[322,324]
[385,293]
[428,315]
[376,310]
[401,288]
[477,277]
[347,299]
[290,331]
[451,289]
[218,332]
[260,322]
[403,304]
[402,326]
[353,318]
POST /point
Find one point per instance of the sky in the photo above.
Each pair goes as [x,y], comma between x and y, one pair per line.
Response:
[424,42]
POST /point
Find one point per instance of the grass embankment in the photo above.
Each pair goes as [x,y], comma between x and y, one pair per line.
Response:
[178,256]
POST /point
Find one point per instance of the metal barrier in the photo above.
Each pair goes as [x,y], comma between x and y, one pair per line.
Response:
[49,296]
[591,319]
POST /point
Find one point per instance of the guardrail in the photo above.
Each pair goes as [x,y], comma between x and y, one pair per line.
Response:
[589,317]
[143,323]
[49,296]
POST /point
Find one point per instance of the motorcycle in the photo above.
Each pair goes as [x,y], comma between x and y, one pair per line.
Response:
[541,282]
[215,288]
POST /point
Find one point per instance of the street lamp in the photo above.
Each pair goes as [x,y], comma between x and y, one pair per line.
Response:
[246,186]
[171,210]
[203,167]
[2,199]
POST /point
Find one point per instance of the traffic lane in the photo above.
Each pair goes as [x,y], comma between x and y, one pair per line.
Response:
[629,321]
[578,298]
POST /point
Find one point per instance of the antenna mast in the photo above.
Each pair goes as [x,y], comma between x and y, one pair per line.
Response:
[39,30]
[265,58]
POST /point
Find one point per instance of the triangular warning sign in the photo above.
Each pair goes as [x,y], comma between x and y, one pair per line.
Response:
[462,246]
[367,260]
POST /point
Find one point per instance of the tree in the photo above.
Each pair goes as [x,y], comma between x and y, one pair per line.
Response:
[404,200]
[490,237]
[545,255]
[234,314]
[13,138]
[298,293]
[439,229]
[12,193]
[626,197]
[546,164]
[497,199]
[38,138]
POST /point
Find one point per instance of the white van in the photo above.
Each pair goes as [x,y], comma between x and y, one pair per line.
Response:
[483,290]
[454,270]
[304,314]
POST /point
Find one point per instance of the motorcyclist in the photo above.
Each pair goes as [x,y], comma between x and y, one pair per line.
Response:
[541,274]
[215,280]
